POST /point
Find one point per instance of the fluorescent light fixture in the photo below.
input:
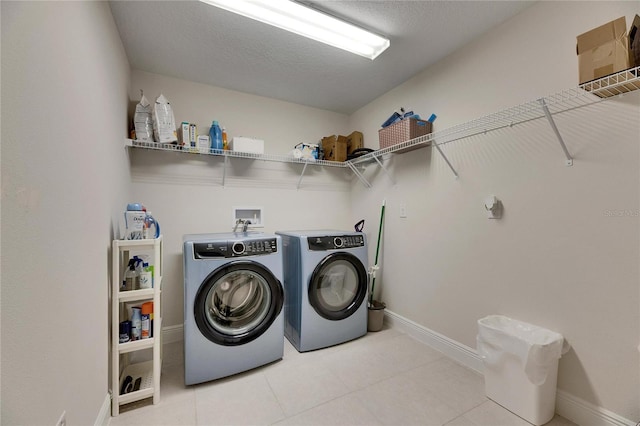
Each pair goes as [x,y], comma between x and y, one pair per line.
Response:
[307,22]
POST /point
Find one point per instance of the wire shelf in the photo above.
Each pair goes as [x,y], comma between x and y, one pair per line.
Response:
[566,100]
[234,154]
[583,95]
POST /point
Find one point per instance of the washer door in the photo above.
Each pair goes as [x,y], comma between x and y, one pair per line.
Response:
[237,303]
[338,286]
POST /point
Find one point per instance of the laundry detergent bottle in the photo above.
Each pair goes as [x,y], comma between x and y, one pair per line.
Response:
[215,134]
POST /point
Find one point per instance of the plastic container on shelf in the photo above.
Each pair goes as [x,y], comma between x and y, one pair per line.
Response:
[145,321]
[136,324]
[130,277]
[215,134]
[225,143]
[146,276]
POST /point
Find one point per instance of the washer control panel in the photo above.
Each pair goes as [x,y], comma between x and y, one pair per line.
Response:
[239,248]
[335,242]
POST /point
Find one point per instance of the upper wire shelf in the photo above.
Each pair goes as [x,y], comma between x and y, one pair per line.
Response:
[566,100]
[233,154]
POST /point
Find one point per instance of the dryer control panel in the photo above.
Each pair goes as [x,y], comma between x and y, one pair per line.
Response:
[335,242]
[226,249]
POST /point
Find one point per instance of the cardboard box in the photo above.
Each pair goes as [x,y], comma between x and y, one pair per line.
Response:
[402,131]
[603,51]
[354,141]
[250,145]
[183,135]
[193,137]
[634,41]
[335,148]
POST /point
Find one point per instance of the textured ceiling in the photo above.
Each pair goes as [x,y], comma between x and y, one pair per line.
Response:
[193,41]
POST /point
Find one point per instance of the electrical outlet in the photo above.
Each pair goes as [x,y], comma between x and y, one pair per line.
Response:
[403,210]
[62,421]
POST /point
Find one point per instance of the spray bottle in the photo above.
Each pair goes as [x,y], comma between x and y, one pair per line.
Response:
[139,267]
[130,276]
[146,279]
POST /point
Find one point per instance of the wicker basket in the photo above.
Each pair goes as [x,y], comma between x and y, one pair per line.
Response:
[403,131]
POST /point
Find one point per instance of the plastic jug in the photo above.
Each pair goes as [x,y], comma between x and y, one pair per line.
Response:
[151,227]
[216,136]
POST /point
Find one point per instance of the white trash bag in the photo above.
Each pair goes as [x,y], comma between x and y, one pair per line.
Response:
[537,348]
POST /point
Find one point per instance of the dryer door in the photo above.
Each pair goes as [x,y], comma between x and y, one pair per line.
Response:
[338,286]
[237,303]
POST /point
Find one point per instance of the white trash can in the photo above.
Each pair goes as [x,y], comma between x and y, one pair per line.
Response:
[521,366]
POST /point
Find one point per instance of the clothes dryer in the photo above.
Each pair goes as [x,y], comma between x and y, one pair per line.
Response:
[233,299]
[326,283]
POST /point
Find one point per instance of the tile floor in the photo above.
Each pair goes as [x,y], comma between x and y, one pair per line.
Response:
[383,378]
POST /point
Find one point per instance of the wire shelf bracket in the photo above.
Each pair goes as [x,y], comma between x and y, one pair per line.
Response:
[444,157]
[224,170]
[359,175]
[552,123]
[386,171]
[304,168]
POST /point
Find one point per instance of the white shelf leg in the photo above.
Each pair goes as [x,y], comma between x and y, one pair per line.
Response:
[446,159]
[552,123]
[301,175]
[358,174]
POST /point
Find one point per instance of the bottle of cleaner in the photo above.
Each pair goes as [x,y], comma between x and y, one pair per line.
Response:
[130,276]
[148,308]
[139,269]
[136,324]
[225,144]
[146,279]
[145,315]
[216,136]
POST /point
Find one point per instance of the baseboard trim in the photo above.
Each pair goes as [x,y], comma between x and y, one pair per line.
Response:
[568,406]
[104,416]
[584,413]
[455,350]
[172,334]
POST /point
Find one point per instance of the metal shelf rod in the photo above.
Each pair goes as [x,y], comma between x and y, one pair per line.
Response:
[446,160]
[224,170]
[385,170]
[301,175]
[552,123]
[358,174]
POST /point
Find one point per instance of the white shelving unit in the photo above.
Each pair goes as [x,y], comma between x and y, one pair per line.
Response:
[123,355]
[545,107]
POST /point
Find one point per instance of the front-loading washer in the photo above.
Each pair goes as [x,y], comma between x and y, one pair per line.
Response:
[233,299]
[326,283]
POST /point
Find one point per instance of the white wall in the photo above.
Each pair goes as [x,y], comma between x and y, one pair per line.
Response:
[557,258]
[185,192]
[565,254]
[64,179]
